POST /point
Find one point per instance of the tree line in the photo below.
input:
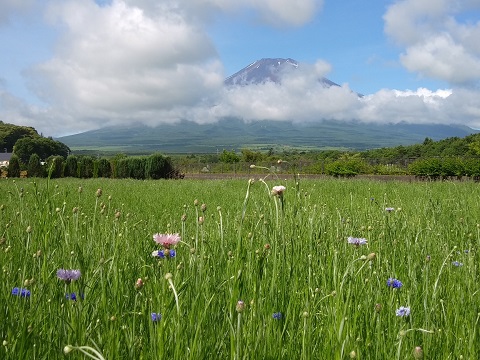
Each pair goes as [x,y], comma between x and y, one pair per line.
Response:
[155,166]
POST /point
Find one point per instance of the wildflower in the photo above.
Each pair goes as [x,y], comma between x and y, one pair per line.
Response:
[389,209]
[403,311]
[20,292]
[240,306]
[394,283]
[68,275]
[357,241]
[156,317]
[378,307]
[166,240]
[139,284]
[73,296]
[418,353]
[457,264]
[99,192]
[164,253]
[278,190]
[277,316]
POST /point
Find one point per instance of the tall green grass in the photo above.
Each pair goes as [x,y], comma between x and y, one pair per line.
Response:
[287,255]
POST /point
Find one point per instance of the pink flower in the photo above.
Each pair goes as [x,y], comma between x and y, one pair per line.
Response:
[166,240]
[278,190]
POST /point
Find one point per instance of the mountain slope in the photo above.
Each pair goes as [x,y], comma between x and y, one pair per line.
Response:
[190,137]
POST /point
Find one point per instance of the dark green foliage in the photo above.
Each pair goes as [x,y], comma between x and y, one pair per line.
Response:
[71,166]
[347,168]
[35,167]
[103,168]
[85,166]
[114,163]
[229,157]
[158,167]
[43,147]
[9,134]
[14,167]
[252,157]
[55,165]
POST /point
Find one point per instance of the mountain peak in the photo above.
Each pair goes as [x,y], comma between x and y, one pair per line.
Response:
[265,70]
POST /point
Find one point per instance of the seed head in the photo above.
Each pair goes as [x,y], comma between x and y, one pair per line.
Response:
[240,306]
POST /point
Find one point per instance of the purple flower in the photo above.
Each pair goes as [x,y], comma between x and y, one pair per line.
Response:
[457,264]
[20,292]
[156,317]
[68,275]
[73,296]
[394,283]
[164,253]
[357,241]
[277,316]
[389,209]
[403,311]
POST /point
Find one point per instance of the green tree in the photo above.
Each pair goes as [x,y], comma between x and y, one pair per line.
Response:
[229,157]
[158,167]
[43,147]
[9,134]
[104,168]
[71,166]
[14,167]
[55,166]
[34,167]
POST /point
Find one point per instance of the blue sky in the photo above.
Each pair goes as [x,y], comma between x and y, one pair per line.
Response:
[73,65]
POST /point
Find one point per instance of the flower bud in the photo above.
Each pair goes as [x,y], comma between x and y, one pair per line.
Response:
[99,192]
[240,306]
[139,284]
[67,349]
[418,352]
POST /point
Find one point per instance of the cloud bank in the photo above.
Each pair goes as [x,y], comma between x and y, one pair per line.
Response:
[152,62]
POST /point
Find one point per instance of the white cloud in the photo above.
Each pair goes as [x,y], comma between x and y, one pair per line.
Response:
[437,43]
[152,62]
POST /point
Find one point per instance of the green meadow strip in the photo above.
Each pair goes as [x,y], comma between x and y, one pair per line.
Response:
[265,268]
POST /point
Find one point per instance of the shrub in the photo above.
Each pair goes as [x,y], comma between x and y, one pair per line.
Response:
[55,166]
[158,167]
[34,167]
[14,166]
[71,166]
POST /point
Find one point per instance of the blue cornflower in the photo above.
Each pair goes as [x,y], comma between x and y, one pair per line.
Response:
[457,264]
[277,316]
[403,311]
[20,292]
[73,296]
[156,317]
[394,283]
[164,253]
[356,241]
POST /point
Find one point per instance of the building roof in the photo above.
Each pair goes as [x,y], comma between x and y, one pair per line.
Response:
[5,156]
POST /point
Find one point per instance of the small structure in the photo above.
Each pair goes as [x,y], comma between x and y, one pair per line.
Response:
[5,159]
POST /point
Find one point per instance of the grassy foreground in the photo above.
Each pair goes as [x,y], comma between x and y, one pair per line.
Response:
[255,276]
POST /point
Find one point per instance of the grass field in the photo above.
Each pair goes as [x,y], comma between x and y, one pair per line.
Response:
[255,275]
